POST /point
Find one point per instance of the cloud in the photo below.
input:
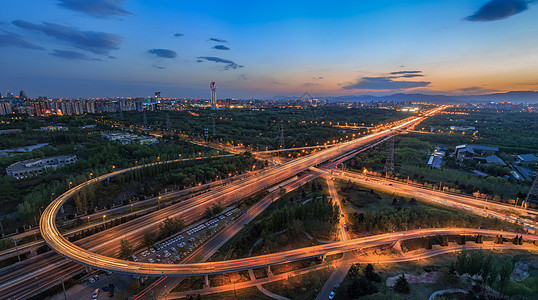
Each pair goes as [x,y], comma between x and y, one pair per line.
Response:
[159,67]
[8,39]
[229,64]
[408,76]
[178,34]
[384,83]
[276,82]
[317,78]
[243,76]
[96,8]
[405,72]
[498,10]
[92,41]
[164,53]
[218,40]
[310,84]
[70,55]
[221,47]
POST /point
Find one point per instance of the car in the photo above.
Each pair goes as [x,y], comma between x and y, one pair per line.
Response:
[108,273]
[166,254]
[173,249]
[96,277]
[105,288]
[342,215]
[151,260]
[95,294]
[91,280]
[158,260]
[331,295]
[152,250]
[158,256]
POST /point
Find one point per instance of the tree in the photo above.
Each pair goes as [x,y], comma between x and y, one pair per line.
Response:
[361,287]
[448,277]
[402,286]
[370,274]
[505,272]
[126,249]
[149,239]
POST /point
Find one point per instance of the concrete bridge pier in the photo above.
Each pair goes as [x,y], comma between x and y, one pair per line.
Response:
[206,281]
[269,273]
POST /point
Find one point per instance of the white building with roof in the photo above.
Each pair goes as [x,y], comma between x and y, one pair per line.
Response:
[36,166]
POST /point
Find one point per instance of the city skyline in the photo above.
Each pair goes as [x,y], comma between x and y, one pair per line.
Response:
[129,48]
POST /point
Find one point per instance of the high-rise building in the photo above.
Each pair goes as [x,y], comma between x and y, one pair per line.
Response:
[213,94]
[22,95]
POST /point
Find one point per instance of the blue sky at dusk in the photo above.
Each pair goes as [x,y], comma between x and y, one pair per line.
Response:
[98,48]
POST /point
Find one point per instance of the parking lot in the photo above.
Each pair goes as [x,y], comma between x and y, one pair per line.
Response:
[176,247]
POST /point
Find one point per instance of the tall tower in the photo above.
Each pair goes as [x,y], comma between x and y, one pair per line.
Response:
[213,94]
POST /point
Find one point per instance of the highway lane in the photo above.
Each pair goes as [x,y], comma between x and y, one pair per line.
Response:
[497,210]
[342,265]
[264,179]
[108,241]
[210,247]
[350,260]
[121,266]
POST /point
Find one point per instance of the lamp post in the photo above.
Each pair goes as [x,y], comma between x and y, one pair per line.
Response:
[104,224]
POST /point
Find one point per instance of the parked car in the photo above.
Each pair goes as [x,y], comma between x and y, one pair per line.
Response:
[91,280]
[95,294]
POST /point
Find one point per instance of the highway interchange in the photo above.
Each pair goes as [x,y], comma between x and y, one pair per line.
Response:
[89,251]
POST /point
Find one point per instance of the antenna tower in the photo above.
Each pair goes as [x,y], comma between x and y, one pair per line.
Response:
[389,164]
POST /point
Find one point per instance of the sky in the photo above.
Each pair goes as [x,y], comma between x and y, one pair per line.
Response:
[255,49]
